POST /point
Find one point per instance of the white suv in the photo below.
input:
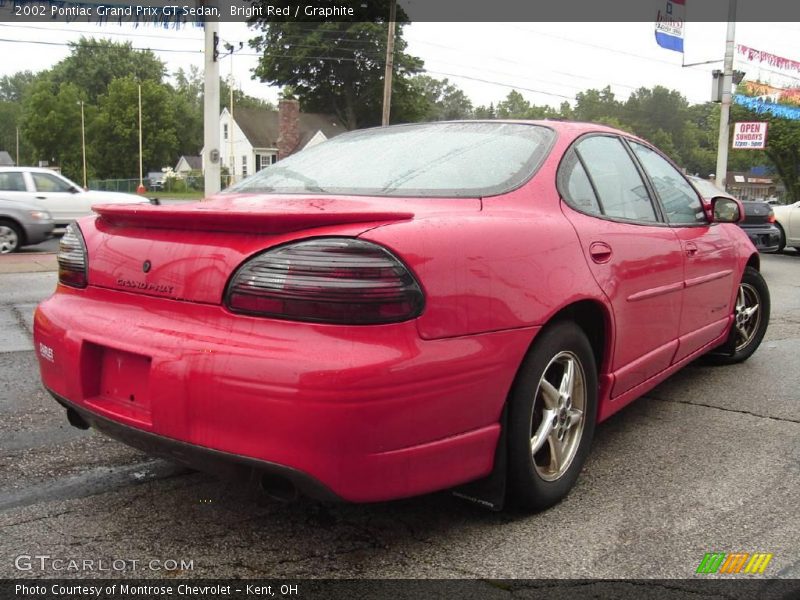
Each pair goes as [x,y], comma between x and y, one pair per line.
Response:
[65,200]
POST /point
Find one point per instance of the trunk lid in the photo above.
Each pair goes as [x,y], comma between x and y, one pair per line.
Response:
[756,212]
[189,252]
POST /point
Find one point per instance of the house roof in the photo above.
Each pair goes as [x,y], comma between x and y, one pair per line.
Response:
[260,126]
[5,159]
[195,162]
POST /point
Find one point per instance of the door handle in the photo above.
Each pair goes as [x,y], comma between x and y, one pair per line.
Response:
[691,249]
[600,252]
[41,197]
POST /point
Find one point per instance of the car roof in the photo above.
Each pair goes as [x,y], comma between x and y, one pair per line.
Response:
[30,169]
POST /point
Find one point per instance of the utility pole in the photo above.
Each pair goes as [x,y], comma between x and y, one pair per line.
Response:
[83,141]
[211,109]
[140,189]
[230,129]
[17,146]
[387,81]
[721,173]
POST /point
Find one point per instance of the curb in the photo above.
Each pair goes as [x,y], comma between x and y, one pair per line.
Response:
[28,263]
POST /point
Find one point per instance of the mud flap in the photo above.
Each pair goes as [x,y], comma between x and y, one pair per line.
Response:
[727,348]
[490,492]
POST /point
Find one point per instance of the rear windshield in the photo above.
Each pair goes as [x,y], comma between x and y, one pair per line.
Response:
[437,159]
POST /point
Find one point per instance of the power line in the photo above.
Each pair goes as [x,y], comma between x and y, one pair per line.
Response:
[326,58]
[116,33]
[88,43]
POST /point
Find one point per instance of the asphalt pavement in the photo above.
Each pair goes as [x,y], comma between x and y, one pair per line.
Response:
[708,461]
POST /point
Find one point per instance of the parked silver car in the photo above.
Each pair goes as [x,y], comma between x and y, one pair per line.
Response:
[61,197]
[22,224]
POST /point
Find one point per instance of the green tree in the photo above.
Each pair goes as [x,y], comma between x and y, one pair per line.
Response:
[115,130]
[596,106]
[513,107]
[485,112]
[783,151]
[13,90]
[52,125]
[444,101]
[93,64]
[338,67]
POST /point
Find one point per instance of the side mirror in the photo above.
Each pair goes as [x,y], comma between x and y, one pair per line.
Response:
[75,190]
[726,210]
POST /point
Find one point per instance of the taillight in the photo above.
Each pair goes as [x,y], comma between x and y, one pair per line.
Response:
[72,258]
[771,216]
[326,280]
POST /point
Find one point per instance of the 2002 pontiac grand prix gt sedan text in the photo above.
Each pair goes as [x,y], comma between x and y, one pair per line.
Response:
[402,310]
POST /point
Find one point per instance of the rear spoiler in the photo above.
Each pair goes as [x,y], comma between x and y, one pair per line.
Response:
[268,217]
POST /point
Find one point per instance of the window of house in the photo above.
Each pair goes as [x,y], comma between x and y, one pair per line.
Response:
[225,131]
[266,160]
[244,166]
[11,181]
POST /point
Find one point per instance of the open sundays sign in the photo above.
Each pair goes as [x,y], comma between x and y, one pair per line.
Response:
[751,135]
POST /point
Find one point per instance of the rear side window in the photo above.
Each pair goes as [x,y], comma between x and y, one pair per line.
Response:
[620,188]
[12,182]
[467,159]
[575,185]
[678,197]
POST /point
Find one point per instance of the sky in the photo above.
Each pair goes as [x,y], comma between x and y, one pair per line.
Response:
[547,62]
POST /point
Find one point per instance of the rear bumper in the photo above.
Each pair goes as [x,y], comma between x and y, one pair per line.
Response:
[766,238]
[362,413]
[195,456]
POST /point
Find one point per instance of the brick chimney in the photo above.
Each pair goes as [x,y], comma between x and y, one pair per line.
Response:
[288,127]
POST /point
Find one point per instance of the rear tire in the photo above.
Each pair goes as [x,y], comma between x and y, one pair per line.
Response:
[10,237]
[751,317]
[781,239]
[552,415]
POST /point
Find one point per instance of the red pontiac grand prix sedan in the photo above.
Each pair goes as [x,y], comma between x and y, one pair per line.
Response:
[401,310]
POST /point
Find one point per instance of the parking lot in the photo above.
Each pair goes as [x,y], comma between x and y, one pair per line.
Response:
[707,461]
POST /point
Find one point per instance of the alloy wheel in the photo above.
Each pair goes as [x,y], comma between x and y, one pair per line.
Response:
[747,315]
[558,416]
[9,240]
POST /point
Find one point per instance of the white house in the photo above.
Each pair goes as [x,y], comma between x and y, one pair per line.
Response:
[255,138]
[187,164]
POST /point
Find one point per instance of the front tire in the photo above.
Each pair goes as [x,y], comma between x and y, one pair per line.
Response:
[552,415]
[10,237]
[751,317]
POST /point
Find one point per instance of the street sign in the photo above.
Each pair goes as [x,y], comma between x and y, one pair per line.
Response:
[751,135]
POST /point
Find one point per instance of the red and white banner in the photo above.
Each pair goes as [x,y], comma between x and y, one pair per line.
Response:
[760,57]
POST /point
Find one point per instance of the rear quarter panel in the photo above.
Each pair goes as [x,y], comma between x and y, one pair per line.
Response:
[514,264]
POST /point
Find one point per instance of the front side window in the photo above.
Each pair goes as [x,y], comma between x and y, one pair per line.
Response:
[622,193]
[12,181]
[678,197]
[45,182]
[469,159]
